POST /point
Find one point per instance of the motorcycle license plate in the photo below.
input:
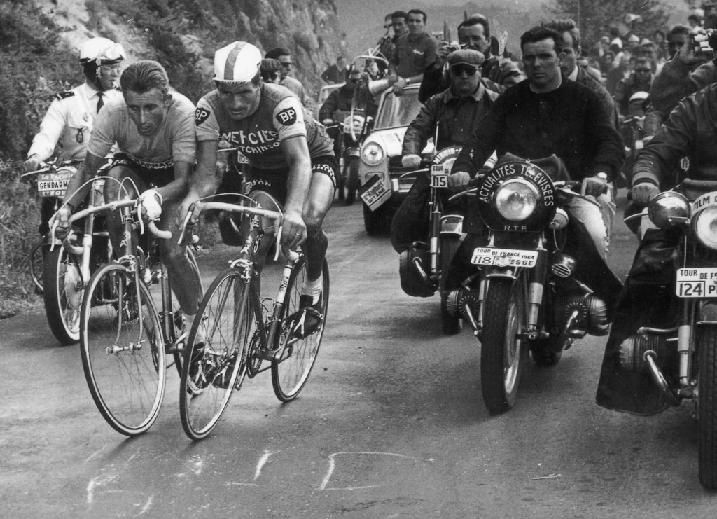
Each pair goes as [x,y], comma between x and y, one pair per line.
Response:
[504,257]
[53,184]
[375,193]
[439,179]
[696,283]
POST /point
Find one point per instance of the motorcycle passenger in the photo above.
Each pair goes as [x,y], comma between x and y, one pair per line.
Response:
[496,74]
[456,112]
[689,131]
[546,115]
[69,119]
[154,131]
[289,155]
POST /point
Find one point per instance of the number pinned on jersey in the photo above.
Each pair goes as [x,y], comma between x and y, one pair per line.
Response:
[287,116]
[201,115]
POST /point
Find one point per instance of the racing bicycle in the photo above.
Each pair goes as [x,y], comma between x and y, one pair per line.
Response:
[237,333]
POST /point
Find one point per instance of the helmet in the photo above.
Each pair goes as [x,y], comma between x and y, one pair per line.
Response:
[238,62]
[101,51]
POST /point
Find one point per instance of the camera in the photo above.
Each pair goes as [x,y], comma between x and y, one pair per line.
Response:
[703,41]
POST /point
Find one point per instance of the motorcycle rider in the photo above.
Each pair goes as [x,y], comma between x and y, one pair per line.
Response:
[456,112]
[546,115]
[355,92]
[689,131]
[289,155]
[154,131]
[638,81]
[69,119]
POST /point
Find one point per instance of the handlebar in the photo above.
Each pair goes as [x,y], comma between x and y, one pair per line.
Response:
[197,207]
[119,204]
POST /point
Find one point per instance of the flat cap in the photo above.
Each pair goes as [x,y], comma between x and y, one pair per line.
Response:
[466,57]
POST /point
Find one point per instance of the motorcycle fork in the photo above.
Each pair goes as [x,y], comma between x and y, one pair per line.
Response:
[535,296]
[685,341]
[435,232]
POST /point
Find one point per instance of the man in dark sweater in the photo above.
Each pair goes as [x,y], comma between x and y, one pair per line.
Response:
[544,115]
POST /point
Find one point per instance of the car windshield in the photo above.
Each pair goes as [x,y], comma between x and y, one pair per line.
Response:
[397,110]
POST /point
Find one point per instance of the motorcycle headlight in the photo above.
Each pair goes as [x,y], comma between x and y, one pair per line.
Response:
[668,209]
[516,199]
[372,154]
[704,225]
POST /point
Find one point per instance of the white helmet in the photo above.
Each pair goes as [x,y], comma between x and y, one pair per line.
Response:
[238,62]
[102,51]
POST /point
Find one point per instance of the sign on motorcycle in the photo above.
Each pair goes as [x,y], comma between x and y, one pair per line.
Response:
[53,184]
[696,282]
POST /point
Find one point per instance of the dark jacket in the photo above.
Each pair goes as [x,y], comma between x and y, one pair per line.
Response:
[340,99]
[677,80]
[690,130]
[457,120]
[569,121]
[585,79]
[626,87]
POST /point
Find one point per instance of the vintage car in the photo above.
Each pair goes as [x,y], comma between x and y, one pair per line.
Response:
[384,181]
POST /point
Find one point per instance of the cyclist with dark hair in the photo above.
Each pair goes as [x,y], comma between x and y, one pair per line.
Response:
[153,128]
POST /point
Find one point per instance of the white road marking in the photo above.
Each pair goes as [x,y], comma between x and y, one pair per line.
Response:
[332,466]
[96,482]
[146,505]
[262,461]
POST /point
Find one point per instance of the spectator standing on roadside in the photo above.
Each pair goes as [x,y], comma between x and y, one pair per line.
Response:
[414,53]
[270,70]
[337,72]
[621,70]
[283,56]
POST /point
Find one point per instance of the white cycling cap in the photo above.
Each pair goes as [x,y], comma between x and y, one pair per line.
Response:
[238,62]
[101,51]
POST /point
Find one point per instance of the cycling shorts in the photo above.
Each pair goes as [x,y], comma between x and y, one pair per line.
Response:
[275,181]
[155,176]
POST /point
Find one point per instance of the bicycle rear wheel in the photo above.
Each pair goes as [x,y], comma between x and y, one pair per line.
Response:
[225,330]
[290,371]
[122,349]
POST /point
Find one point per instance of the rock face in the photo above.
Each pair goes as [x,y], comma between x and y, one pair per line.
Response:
[183,34]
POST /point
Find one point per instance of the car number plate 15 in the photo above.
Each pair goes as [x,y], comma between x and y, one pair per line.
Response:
[375,193]
[439,179]
[696,282]
[53,184]
[504,257]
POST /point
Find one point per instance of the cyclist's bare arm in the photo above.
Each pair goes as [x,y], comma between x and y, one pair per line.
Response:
[296,152]
[88,170]
[177,188]
[203,181]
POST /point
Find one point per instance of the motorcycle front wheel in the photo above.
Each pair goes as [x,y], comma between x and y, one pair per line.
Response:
[502,351]
[707,406]
[62,294]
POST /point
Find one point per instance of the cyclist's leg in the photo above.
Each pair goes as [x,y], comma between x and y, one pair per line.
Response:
[179,260]
[130,185]
[321,193]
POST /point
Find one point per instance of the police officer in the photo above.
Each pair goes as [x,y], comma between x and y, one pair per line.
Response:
[68,121]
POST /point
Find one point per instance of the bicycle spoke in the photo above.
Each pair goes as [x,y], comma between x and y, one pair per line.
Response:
[122,350]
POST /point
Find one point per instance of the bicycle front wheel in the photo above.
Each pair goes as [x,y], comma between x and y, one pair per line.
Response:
[122,349]
[224,332]
[291,369]
[62,294]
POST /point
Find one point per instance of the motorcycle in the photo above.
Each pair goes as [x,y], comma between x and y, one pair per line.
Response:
[666,353]
[66,264]
[352,128]
[517,287]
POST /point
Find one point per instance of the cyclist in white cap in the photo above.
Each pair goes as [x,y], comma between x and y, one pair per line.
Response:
[289,155]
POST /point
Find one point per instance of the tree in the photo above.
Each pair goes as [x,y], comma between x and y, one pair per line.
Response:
[595,18]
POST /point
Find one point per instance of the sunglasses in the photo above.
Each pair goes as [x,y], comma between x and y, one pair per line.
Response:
[459,70]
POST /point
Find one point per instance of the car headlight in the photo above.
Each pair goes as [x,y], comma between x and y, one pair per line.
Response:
[372,154]
[516,199]
[668,209]
[704,225]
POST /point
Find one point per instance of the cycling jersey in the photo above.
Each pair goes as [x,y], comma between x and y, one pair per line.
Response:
[68,123]
[173,142]
[278,117]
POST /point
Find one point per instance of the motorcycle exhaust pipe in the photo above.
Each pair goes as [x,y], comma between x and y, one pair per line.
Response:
[658,378]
